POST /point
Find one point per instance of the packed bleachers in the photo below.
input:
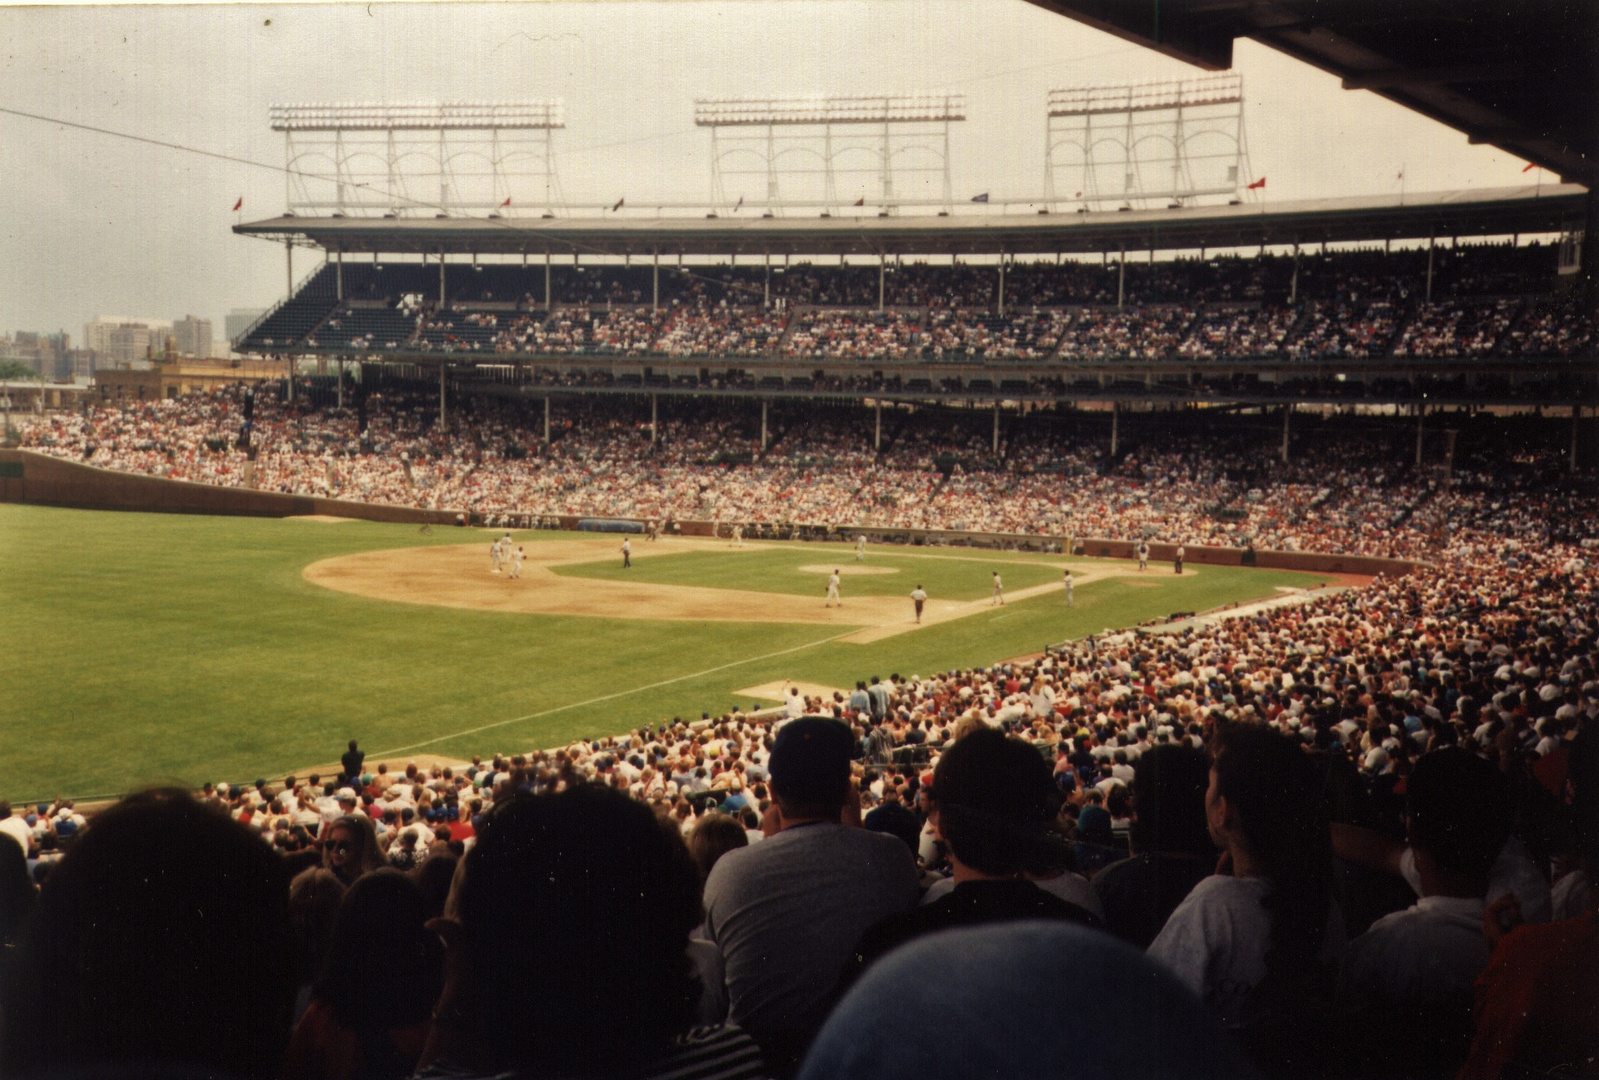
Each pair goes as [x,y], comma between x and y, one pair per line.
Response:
[1486,302]
[1384,796]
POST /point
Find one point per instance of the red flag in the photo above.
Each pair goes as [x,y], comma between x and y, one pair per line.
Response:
[861,201]
[1531,165]
[619,203]
[239,203]
[506,203]
[1257,184]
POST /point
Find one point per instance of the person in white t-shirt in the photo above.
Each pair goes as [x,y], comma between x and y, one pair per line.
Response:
[999,591]
[1263,809]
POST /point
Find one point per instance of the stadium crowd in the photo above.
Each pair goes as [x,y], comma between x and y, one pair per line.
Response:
[1355,836]
[1484,301]
[938,470]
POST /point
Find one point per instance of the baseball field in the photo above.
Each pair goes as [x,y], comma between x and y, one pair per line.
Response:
[138,648]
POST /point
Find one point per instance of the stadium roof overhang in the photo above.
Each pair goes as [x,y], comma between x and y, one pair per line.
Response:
[1492,212]
[1520,76]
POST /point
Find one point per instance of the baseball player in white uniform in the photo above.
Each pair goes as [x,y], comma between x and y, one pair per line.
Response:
[516,561]
[1143,555]
[627,554]
[860,548]
[999,591]
[496,557]
[832,591]
[1069,587]
[919,597]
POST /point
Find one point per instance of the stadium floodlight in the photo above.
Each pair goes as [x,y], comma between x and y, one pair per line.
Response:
[800,141]
[1166,141]
[817,109]
[405,158]
[418,116]
[1223,89]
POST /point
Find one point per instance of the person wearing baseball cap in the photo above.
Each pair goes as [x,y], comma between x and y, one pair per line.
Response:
[787,912]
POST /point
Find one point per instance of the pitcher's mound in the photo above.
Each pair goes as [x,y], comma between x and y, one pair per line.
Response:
[847,569]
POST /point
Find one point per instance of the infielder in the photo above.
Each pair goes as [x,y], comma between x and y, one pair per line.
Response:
[832,591]
[516,561]
[860,549]
[496,557]
[1069,586]
[999,591]
[1143,555]
[738,537]
[1177,565]
[627,554]
[919,598]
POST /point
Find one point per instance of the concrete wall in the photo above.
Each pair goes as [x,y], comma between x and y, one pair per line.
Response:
[52,481]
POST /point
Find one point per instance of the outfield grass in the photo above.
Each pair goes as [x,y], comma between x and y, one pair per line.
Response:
[139,649]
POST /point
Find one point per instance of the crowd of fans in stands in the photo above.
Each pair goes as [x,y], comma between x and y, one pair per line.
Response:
[1484,301]
[938,470]
[1355,836]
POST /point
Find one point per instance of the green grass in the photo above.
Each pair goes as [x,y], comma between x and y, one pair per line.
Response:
[949,574]
[139,648]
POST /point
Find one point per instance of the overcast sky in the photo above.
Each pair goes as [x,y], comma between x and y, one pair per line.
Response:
[91,224]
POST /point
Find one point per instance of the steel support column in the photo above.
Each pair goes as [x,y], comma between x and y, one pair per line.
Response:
[338,276]
[546,294]
[877,436]
[1421,421]
[655,418]
[1121,278]
[1288,411]
[546,419]
[1576,419]
[442,417]
[1115,424]
[764,404]
[996,425]
[655,283]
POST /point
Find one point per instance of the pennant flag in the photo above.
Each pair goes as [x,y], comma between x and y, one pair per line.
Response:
[506,203]
[1257,184]
[861,201]
[239,203]
[1531,165]
[619,203]
[739,203]
[1401,175]
[980,198]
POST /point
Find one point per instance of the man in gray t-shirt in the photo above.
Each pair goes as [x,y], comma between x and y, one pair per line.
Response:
[786,912]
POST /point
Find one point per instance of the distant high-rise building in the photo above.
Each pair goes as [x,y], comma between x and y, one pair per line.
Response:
[192,337]
[124,341]
[47,354]
[239,320]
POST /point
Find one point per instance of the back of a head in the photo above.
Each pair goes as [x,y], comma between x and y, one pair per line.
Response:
[314,898]
[162,939]
[575,914]
[383,969]
[1169,800]
[995,798]
[809,766]
[1460,810]
[988,1001]
[714,836]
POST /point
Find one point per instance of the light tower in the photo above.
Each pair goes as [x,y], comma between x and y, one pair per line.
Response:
[884,146]
[415,159]
[1132,145]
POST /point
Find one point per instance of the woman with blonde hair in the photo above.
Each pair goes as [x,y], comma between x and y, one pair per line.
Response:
[350,848]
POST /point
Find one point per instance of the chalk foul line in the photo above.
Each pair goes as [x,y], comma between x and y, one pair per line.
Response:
[612,697]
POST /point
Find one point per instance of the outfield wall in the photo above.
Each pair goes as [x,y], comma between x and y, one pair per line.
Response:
[30,477]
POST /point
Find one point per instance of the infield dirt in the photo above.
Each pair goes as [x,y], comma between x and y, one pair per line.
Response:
[460,577]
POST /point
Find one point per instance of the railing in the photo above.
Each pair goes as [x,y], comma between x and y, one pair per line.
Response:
[275,308]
